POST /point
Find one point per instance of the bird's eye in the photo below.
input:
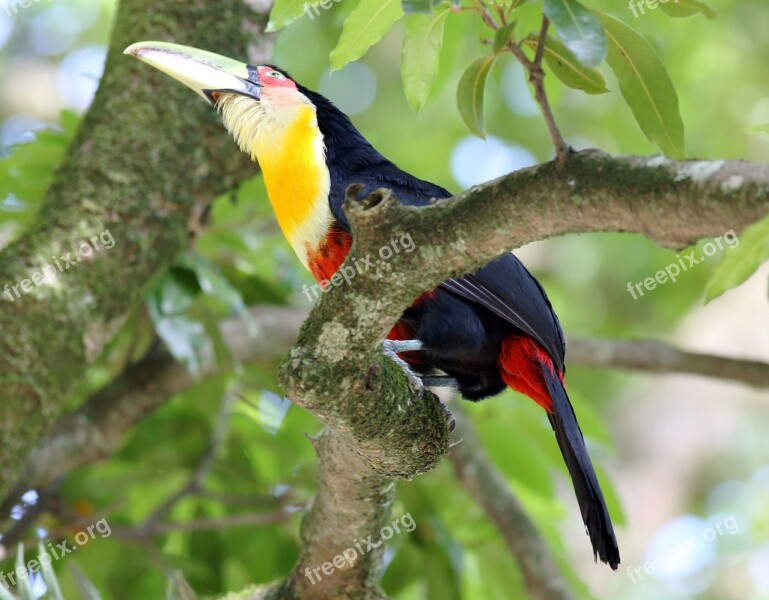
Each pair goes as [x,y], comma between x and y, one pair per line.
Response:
[275,74]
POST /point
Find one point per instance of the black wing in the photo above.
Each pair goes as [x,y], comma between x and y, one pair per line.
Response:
[507,289]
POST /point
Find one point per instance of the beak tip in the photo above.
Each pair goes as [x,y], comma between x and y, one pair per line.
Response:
[132,50]
[139,49]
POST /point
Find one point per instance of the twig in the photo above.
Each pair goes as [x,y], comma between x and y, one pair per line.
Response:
[218,436]
[537,79]
[242,520]
[656,357]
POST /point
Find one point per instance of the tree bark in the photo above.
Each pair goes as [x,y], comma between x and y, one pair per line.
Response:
[143,159]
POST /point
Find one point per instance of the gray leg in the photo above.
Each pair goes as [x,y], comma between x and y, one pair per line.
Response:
[439,381]
[402,345]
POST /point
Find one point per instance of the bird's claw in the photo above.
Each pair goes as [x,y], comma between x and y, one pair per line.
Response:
[417,388]
[391,350]
[450,422]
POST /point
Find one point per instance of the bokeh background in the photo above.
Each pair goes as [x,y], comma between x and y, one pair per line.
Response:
[679,455]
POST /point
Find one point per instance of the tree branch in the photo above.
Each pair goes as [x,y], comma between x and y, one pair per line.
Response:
[153,529]
[590,192]
[673,203]
[95,430]
[488,488]
[353,504]
[336,369]
[655,357]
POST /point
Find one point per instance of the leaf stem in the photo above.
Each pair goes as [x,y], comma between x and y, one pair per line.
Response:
[537,79]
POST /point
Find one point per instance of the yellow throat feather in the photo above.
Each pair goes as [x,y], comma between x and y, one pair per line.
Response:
[283,135]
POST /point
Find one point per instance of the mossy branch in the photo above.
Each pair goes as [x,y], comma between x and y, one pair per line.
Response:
[142,160]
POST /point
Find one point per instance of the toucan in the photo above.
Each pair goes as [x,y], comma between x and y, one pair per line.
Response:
[488,330]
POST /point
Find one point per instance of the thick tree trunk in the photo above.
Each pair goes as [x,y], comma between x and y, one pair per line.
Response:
[144,157]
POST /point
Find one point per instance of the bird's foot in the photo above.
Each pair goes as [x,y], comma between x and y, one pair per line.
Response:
[440,381]
[391,350]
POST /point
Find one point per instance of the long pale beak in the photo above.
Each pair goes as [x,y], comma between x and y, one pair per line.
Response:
[204,72]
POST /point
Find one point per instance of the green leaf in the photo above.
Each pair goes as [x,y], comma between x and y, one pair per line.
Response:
[502,36]
[759,128]
[411,7]
[741,261]
[580,30]
[285,12]
[367,24]
[420,55]
[470,90]
[177,588]
[28,171]
[216,285]
[85,587]
[5,593]
[167,304]
[23,584]
[646,87]
[49,576]
[568,69]
[686,8]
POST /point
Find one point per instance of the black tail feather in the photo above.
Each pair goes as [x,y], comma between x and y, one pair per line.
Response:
[589,496]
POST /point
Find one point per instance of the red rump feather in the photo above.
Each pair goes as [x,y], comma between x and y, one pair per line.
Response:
[405,331]
[521,360]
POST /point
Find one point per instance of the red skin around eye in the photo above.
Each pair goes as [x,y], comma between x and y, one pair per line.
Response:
[268,81]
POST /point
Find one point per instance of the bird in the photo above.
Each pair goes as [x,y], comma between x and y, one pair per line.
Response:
[485,331]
